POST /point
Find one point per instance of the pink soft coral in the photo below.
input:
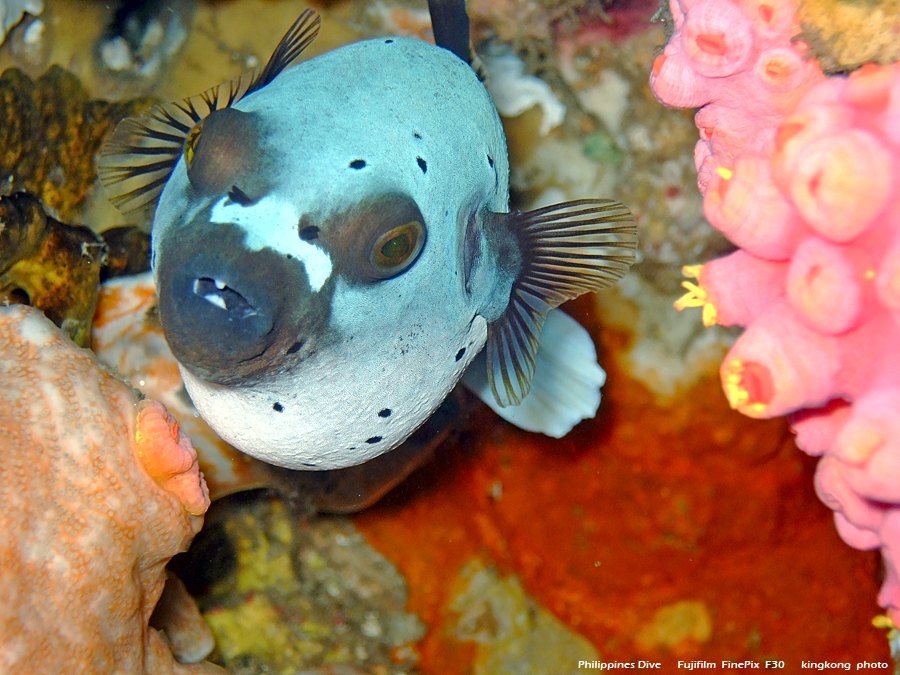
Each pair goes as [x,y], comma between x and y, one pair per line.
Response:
[97,492]
[799,171]
[735,60]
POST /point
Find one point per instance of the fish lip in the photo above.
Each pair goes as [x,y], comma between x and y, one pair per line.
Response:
[233,315]
[222,294]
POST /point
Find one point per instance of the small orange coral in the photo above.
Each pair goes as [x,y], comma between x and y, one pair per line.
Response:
[86,531]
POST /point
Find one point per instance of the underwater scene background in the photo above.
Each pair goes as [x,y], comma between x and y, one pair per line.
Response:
[682,523]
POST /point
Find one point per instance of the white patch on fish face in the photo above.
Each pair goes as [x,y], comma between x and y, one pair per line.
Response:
[272,222]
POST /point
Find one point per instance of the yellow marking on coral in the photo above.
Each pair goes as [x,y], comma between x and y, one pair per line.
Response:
[726,174]
[738,394]
[863,445]
[696,296]
[710,315]
[883,621]
[692,271]
[732,383]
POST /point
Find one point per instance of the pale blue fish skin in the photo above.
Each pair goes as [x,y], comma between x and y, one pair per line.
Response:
[425,127]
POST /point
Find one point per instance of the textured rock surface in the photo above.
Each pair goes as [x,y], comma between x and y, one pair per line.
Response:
[844,35]
[291,595]
[49,134]
[49,265]
[97,493]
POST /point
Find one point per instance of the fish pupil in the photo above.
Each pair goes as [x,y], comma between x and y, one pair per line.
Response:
[397,247]
[391,250]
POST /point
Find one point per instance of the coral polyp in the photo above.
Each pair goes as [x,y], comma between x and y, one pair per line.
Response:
[799,171]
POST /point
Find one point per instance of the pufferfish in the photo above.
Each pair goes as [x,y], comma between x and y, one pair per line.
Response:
[333,251]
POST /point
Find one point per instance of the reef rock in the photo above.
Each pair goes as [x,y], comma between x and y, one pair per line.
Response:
[49,134]
[98,490]
[49,265]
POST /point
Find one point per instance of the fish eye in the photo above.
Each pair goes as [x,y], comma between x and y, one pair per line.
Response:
[191,142]
[395,250]
[377,238]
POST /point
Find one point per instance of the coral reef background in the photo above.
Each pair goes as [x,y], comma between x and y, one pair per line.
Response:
[799,170]
[670,527]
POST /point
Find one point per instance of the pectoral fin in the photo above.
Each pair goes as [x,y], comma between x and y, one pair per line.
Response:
[566,385]
[565,250]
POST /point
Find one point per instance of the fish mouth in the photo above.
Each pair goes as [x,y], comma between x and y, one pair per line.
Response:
[232,315]
[221,295]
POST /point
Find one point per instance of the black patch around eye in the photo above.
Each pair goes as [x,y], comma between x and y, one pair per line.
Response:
[491,161]
[422,164]
[374,439]
[294,348]
[277,407]
[357,164]
[384,413]
[460,353]
[309,233]
[238,196]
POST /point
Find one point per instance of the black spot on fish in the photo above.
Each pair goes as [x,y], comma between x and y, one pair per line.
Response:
[460,353]
[294,348]
[308,464]
[309,233]
[387,42]
[357,164]
[422,164]
[289,256]
[238,196]
[277,407]
[374,439]
[416,134]
[490,161]
[384,413]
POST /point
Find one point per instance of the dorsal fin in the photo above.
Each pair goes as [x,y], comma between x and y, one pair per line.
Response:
[567,249]
[140,155]
[450,25]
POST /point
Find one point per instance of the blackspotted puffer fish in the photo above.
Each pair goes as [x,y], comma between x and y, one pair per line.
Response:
[333,251]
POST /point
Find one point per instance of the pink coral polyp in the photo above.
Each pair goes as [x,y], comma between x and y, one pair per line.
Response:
[796,133]
[823,287]
[841,182]
[781,69]
[801,364]
[749,209]
[679,84]
[769,18]
[888,279]
[717,39]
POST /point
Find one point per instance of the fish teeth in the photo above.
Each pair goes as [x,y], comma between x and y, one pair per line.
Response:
[217,300]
